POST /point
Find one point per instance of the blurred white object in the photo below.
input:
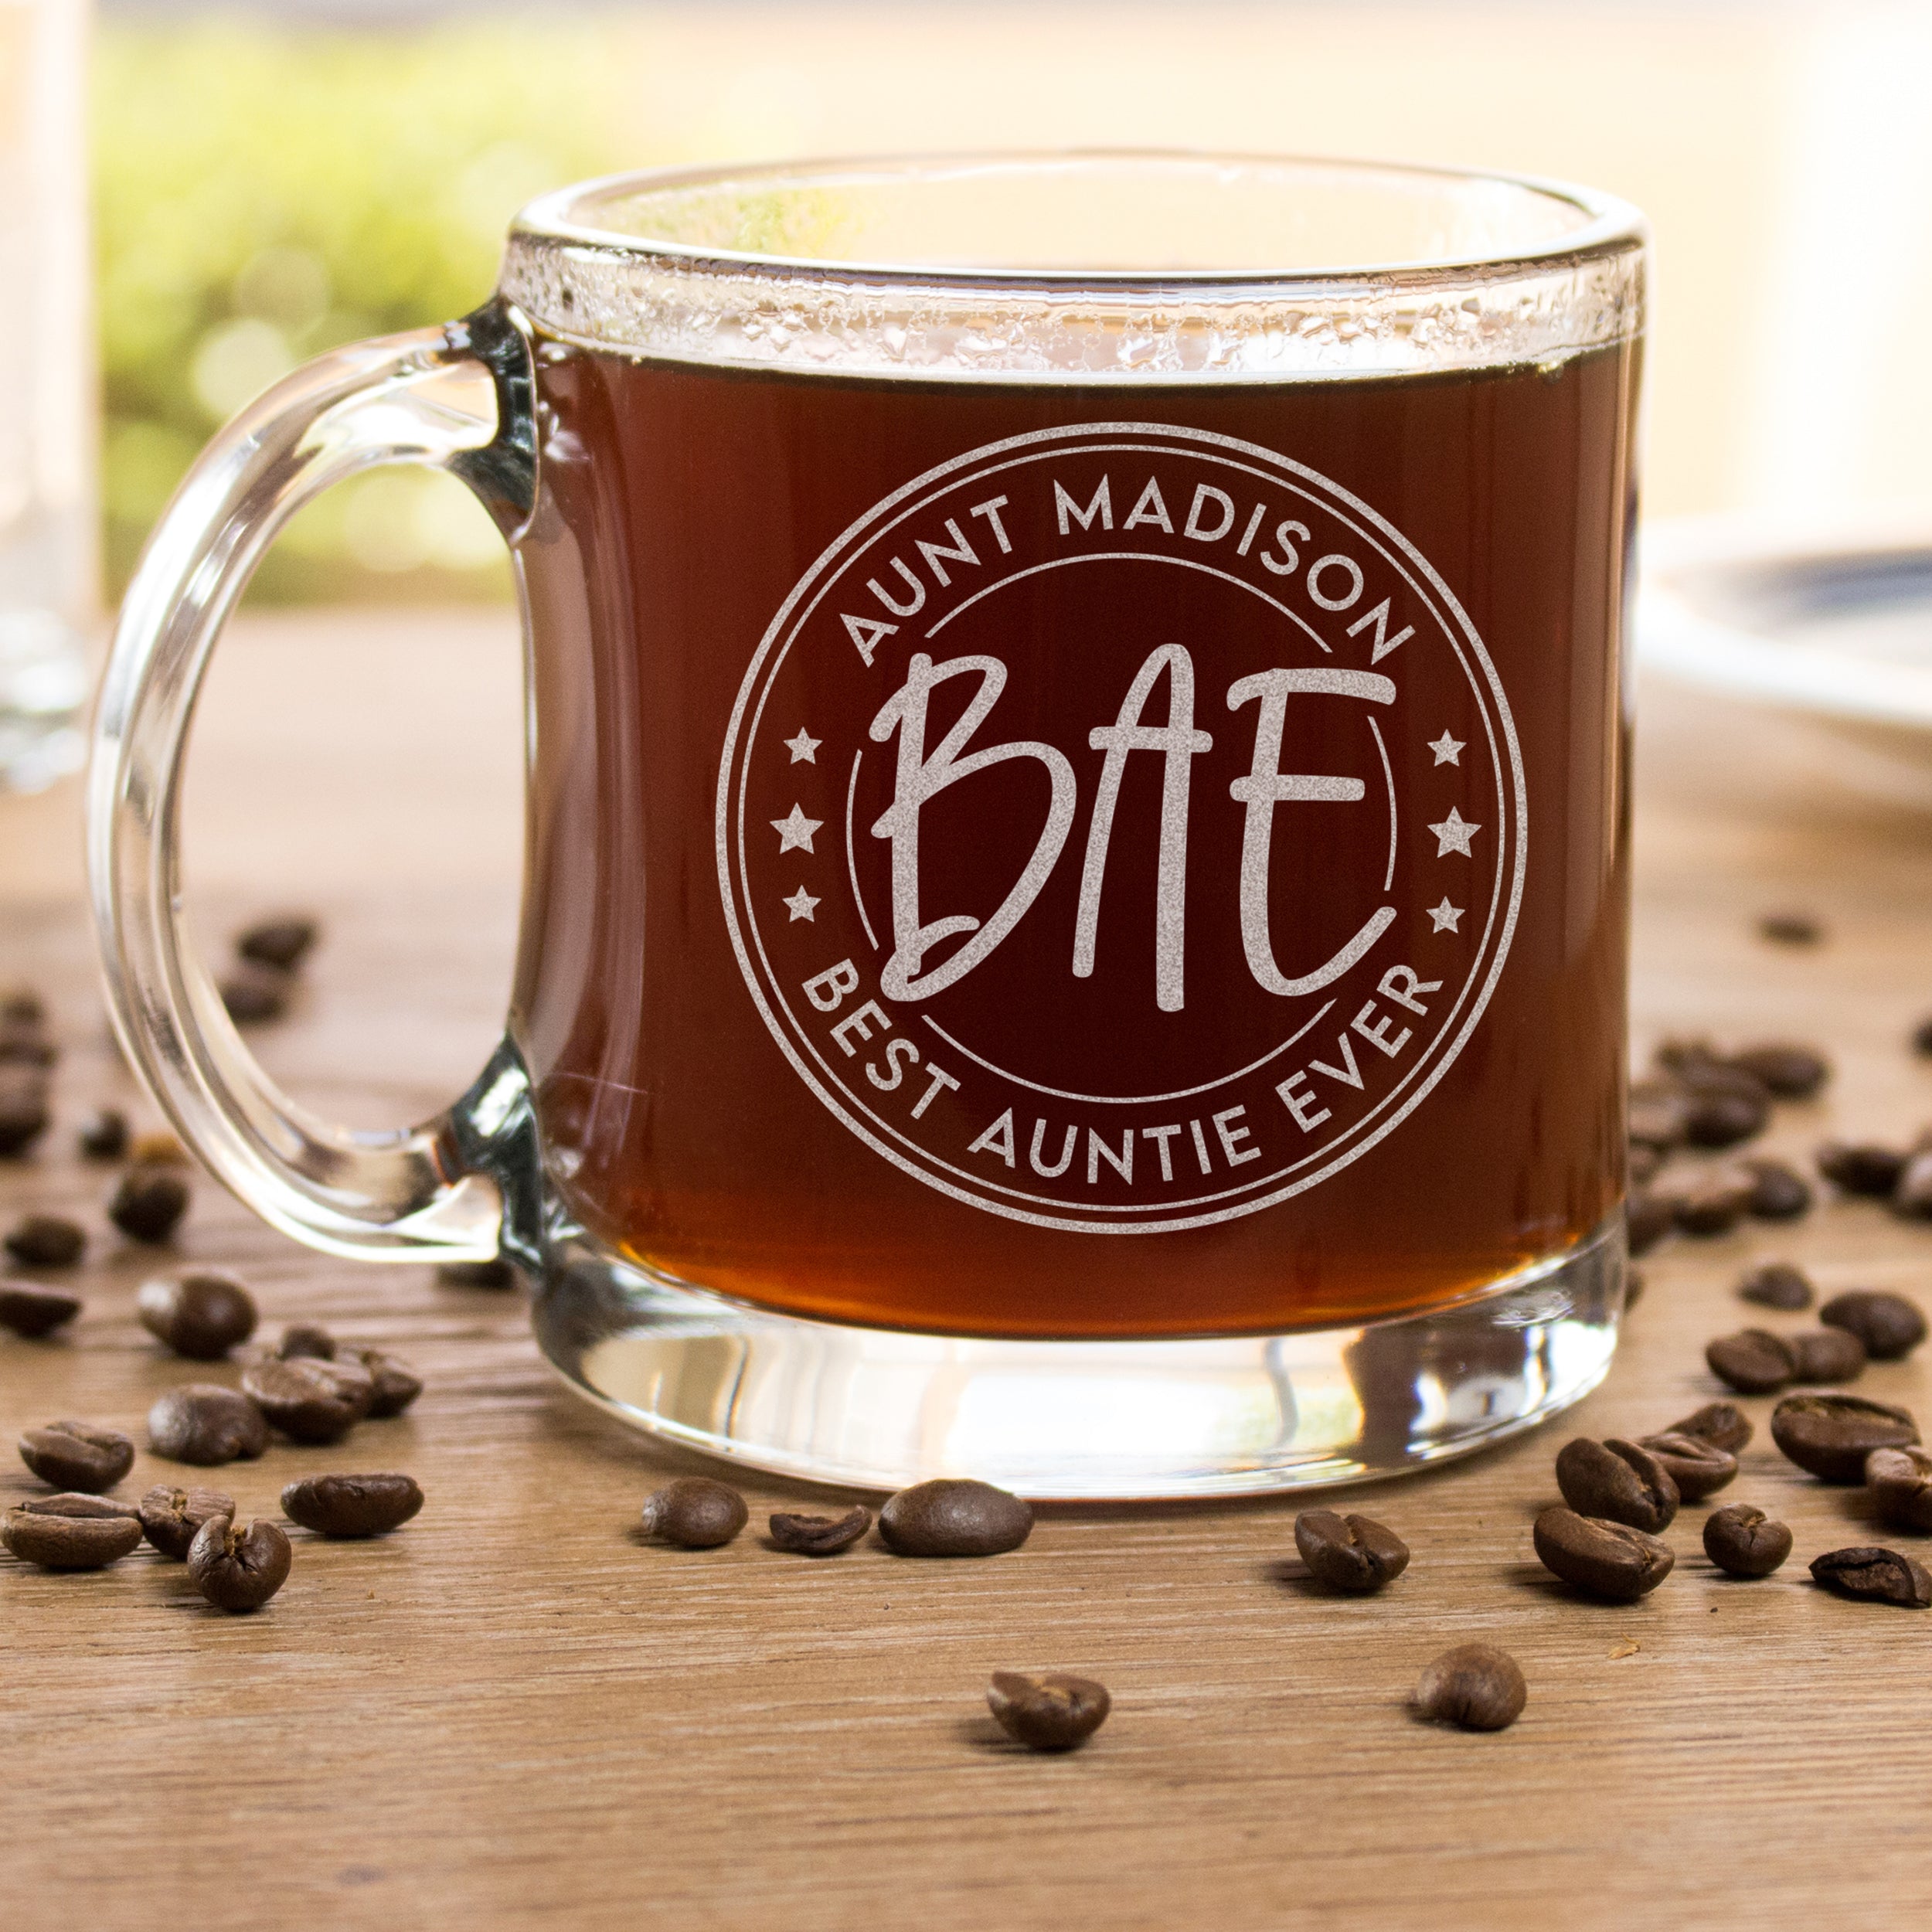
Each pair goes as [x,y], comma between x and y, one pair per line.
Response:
[48,563]
[1830,625]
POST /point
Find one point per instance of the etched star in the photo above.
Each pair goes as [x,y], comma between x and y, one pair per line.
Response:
[1454,835]
[803,748]
[1445,916]
[1447,750]
[800,902]
[794,831]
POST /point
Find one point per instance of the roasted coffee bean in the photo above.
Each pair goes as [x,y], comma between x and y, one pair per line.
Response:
[1861,1168]
[1647,1219]
[203,1424]
[159,1148]
[306,1340]
[30,1311]
[352,1505]
[238,1566]
[820,1535]
[1616,1481]
[103,1134]
[1778,1193]
[1753,1362]
[1791,1072]
[1744,1541]
[477,1274]
[172,1517]
[307,1400]
[1713,1204]
[1922,1037]
[23,1108]
[394,1385]
[1610,1560]
[200,1316]
[148,1204]
[1657,1112]
[47,1241]
[1790,929]
[1827,1356]
[1049,1712]
[1355,1555]
[1878,1576]
[22,1006]
[1697,1468]
[1832,1435]
[283,941]
[254,995]
[1889,1326]
[953,1516]
[694,1512]
[70,1531]
[1723,1117]
[22,1044]
[1912,1197]
[1900,1481]
[1777,1285]
[1475,1686]
[1722,1424]
[77,1455]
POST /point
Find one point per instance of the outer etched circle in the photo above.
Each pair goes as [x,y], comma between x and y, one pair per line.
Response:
[1016,1203]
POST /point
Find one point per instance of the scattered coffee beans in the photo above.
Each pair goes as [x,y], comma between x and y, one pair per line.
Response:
[1878,1576]
[1648,1218]
[1777,1285]
[955,1516]
[1713,1204]
[1355,1555]
[237,1567]
[820,1535]
[1888,1325]
[77,1455]
[1754,1361]
[1475,1686]
[477,1274]
[22,1006]
[1900,1481]
[172,1517]
[1832,1435]
[1723,1116]
[1618,1481]
[103,1134]
[1860,1168]
[1790,929]
[1721,1423]
[309,1400]
[301,1339]
[1922,1037]
[1778,1193]
[1827,1355]
[149,1203]
[23,1108]
[1697,1468]
[25,1044]
[351,1506]
[47,1241]
[200,1316]
[1744,1541]
[1051,1712]
[254,995]
[283,941]
[1608,1559]
[70,1531]
[1791,1072]
[694,1512]
[203,1424]
[394,1385]
[32,1311]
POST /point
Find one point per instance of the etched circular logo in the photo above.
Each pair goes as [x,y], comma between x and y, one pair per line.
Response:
[1121,829]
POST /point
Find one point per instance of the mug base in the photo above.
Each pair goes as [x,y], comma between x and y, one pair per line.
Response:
[878,1409]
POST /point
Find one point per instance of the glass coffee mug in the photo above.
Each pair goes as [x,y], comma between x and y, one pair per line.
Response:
[1075,924]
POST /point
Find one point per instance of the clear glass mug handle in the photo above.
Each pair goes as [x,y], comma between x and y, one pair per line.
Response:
[459,398]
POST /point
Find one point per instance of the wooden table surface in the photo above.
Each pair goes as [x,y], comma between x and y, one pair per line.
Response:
[513,1713]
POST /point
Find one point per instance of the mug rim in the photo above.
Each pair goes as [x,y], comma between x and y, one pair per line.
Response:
[1611,225]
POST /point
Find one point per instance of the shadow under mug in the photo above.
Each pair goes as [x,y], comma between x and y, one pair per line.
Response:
[1075,918]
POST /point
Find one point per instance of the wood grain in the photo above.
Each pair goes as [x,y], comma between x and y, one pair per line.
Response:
[514,1713]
